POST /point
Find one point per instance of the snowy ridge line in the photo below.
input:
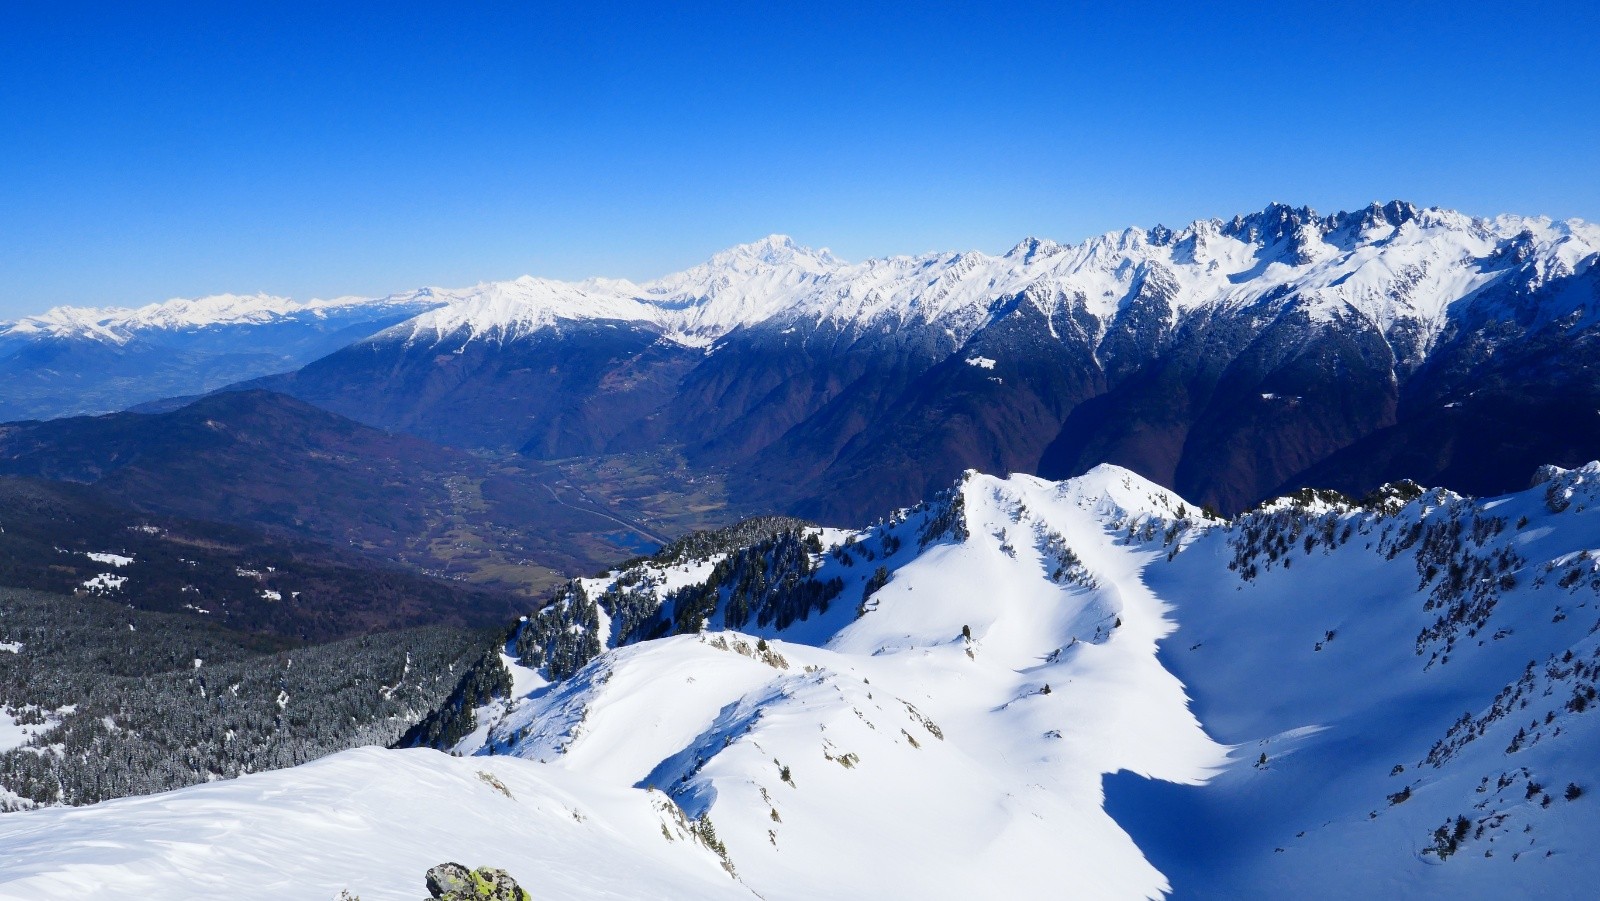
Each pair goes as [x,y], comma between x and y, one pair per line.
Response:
[118,325]
[987,641]
[1389,264]
[878,667]
[1395,694]
[1393,265]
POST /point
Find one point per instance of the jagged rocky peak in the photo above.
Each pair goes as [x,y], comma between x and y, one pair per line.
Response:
[1295,233]
[1300,235]
[777,279]
[1031,248]
[1276,222]
[1395,213]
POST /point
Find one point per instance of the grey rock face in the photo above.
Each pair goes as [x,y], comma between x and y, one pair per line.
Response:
[454,882]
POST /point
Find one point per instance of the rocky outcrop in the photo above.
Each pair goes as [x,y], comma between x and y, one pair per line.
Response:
[454,882]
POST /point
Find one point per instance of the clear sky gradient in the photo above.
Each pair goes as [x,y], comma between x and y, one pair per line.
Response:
[152,150]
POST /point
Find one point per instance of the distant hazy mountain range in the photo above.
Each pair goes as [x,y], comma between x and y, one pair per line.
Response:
[73,360]
[1229,359]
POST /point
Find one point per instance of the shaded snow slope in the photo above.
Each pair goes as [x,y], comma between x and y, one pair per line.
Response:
[1403,673]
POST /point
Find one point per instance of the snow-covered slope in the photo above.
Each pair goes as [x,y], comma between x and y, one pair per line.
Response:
[367,821]
[1421,679]
[1401,663]
[960,757]
[1382,692]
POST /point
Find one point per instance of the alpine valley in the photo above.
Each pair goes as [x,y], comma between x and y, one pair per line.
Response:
[1232,360]
[1256,558]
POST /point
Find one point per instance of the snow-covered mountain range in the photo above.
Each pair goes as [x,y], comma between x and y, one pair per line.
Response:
[1390,264]
[76,360]
[120,325]
[1339,344]
[1230,359]
[1320,698]
[1395,266]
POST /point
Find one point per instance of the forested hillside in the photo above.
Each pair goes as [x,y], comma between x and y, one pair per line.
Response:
[99,700]
[76,539]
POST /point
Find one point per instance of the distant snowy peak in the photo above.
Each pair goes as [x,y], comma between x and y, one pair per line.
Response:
[753,258]
[118,325]
[743,285]
[514,308]
[67,322]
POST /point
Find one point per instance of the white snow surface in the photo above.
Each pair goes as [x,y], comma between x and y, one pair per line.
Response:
[105,583]
[371,821]
[14,734]
[872,749]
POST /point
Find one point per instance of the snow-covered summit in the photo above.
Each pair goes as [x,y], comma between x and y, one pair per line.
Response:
[512,308]
[1114,493]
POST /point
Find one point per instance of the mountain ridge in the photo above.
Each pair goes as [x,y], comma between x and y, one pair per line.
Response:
[276,462]
[1228,359]
[1296,235]
[1087,683]
[828,389]
[750,286]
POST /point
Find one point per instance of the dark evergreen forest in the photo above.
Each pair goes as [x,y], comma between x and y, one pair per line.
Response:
[128,701]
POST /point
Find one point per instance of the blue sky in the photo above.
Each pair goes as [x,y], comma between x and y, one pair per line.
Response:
[153,150]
